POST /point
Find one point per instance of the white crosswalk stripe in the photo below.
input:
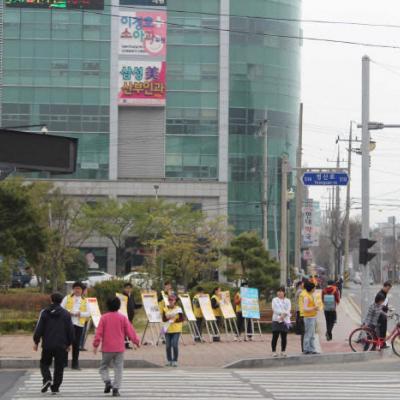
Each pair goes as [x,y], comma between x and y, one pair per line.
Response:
[146,384]
[306,384]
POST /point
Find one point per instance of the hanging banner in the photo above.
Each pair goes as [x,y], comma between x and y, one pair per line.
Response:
[187,307]
[142,83]
[249,303]
[124,304]
[143,33]
[226,305]
[94,310]
[151,308]
[206,308]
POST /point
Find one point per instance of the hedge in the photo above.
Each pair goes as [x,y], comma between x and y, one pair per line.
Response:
[12,326]
[24,301]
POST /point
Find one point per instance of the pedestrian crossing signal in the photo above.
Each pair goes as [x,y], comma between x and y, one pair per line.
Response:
[364,255]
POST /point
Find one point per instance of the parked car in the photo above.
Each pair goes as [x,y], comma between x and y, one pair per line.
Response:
[20,279]
[96,277]
[139,279]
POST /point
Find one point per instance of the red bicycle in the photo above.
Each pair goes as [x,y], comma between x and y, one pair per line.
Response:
[365,339]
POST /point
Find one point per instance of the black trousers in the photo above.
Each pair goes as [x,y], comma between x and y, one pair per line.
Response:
[241,324]
[382,323]
[199,324]
[78,330]
[275,337]
[59,355]
[330,319]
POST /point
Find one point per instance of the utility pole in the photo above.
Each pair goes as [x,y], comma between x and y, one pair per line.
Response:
[394,249]
[299,195]
[365,179]
[264,131]
[283,255]
[337,224]
[347,216]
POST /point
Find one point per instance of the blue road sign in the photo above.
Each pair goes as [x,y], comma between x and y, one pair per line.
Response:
[325,178]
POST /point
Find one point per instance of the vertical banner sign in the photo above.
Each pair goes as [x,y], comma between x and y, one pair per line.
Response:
[94,310]
[226,305]
[143,33]
[187,307]
[151,308]
[249,303]
[311,223]
[142,83]
[206,308]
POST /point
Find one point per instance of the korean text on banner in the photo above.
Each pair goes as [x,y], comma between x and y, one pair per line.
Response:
[94,310]
[143,33]
[206,308]
[142,83]
[151,308]
[124,304]
[226,305]
[187,306]
[249,302]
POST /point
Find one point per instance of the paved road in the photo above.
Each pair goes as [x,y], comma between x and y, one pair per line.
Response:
[8,380]
[305,383]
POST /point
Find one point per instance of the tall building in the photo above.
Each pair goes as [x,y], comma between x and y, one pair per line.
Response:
[167,98]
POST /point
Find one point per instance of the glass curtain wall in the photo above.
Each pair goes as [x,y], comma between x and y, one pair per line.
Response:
[264,84]
[192,89]
[56,72]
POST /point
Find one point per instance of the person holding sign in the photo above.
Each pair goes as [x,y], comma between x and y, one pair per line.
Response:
[130,305]
[198,313]
[173,316]
[280,321]
[111,333]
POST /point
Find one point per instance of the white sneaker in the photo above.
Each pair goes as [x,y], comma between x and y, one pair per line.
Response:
[174,364]
[283,354]
[275,354]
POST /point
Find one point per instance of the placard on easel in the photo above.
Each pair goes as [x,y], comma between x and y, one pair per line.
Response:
[229,316]
[153,314]
[250,311]
[190,317]
[209,317]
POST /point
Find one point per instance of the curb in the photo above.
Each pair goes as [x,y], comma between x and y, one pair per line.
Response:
[15,363]
[333,358]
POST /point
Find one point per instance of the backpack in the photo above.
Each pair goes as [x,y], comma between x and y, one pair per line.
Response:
[329,302]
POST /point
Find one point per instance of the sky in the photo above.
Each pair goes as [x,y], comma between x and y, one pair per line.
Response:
[331,94]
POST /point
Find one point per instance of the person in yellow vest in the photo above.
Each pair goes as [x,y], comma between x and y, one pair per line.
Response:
[78,307]
[198,313]
[215,304]
[173,316]
[310,310]
[299,308]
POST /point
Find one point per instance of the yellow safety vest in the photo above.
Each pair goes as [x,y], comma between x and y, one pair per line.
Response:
[196,307]
[301,302]
[174,327]
[238,302]
[83,308]
[217,311]
[311,304]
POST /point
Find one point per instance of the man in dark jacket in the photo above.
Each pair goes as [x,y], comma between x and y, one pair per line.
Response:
[382,321]
[54,328]
[131,306]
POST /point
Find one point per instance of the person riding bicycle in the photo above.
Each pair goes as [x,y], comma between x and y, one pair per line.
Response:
[373,314]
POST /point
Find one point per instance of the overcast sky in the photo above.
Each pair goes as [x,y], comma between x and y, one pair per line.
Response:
[331,93]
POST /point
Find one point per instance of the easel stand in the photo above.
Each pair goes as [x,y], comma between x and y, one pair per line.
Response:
[194,331]
[249,335]
[231,328]
[212,329]
[154,329]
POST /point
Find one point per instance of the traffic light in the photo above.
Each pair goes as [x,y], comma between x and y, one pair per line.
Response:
[365,256]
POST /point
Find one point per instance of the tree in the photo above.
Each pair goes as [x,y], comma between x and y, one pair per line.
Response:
[76,269]
[252,262]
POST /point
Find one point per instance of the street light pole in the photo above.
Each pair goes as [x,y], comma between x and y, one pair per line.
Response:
[365,178]
[299,195]
[264,127]
[283,255]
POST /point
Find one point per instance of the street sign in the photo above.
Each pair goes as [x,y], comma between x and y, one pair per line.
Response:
[325,178]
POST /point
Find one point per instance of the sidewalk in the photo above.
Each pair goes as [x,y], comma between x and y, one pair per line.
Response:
[19,347]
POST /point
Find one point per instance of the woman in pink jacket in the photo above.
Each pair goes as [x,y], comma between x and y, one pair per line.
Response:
[111,332]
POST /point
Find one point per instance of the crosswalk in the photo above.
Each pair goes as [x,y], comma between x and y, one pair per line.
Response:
[306,383]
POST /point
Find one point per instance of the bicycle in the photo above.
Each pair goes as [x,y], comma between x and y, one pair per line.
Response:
[365,338]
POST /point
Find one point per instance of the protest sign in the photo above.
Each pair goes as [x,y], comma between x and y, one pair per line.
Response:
[249,303]
[94,310]
[187,306]
[206,309]
[226,306]
[151,308]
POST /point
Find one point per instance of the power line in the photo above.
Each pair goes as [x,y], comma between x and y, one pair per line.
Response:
[296,37]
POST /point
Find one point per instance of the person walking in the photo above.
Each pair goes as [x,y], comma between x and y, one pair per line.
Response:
[130,305]
[299,308]
[111,333]
[78,307]
[198,313]
[310,310]
[382,321]
[173,316]
[281,308]
[56,332]
[330,299]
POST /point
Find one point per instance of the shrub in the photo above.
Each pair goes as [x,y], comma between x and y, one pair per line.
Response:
[24,302]
[104,290]
[209,286]
[14,325]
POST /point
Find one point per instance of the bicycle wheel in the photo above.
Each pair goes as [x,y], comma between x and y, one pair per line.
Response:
[396,345]
[361,339]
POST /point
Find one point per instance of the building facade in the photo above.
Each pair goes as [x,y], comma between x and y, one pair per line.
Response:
[170,95]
